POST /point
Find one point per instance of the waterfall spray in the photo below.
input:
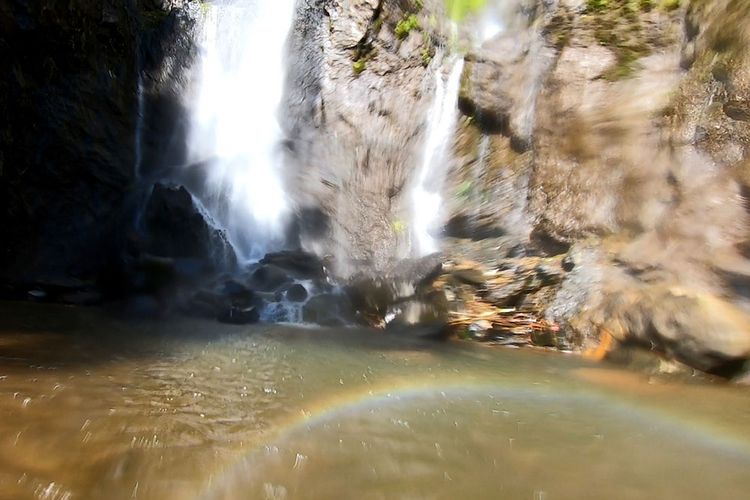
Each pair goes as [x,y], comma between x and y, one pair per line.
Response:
[235,130]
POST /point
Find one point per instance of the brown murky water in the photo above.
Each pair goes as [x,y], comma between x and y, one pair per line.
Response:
[94,407]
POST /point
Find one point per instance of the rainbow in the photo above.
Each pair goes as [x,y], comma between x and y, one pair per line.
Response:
[395,391]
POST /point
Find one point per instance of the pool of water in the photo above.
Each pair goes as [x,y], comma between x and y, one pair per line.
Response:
[93,405]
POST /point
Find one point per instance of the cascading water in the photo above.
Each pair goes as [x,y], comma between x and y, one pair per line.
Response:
[235,131]
[441,124]
[426,197]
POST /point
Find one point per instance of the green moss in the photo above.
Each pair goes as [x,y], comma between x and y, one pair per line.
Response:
[646,5]
[669,5]
[596,5]
[559,30]
[625,65]
[426,55]
[359,65]
[616,24]
[464,190]
[399,226]
[406,25]
[459,9]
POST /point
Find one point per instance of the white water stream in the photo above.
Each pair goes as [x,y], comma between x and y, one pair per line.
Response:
[426,196]
[427,200]
[235,129]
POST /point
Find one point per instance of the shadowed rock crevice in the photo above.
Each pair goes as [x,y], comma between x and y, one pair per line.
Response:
[69,88]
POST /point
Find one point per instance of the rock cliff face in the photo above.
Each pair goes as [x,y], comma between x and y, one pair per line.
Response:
[69,92]
[606,140]
[357,95]
[621,140]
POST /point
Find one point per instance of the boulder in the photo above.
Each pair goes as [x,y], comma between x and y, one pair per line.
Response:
[175,227]
[296,293]
[206,304]
[699,329]
[239,316]
[328,310]
[376,296]
[298,264]
[269,278]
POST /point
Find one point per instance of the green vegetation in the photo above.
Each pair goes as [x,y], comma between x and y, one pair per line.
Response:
[617,25]
[359,65]
[459,9]
[593,6]
[625,66]
[560,29]
[596,5]
[406,25]
[464,190]
[399,227]
[426,56]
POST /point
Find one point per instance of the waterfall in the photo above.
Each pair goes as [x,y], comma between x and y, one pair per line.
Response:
[235,132]
[441,123]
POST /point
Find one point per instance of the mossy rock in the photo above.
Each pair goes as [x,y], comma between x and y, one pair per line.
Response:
[406,26]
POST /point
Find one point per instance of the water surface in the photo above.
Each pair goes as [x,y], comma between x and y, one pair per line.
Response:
[97,407]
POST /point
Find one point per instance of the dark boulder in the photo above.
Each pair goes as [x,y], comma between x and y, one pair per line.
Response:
[233,287]
[374,297]
[328,310]
[296,293]
[238,316]
[418,272]
[176,228]
[298,264]
[269,278]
